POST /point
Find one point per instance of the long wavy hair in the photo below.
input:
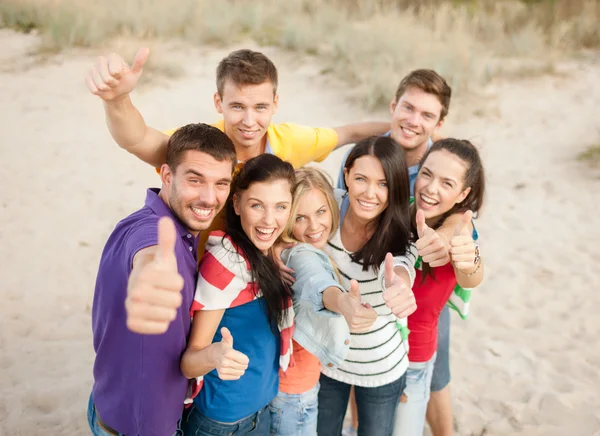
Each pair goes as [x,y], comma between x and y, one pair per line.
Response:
[264,270]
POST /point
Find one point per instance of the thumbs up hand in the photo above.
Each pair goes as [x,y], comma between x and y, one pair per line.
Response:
[360,317]
[398,296]
[229,363]
[154,287]
[111,78]
[431,245]
[463,250]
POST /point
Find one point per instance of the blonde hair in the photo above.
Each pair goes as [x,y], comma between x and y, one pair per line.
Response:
[307,179]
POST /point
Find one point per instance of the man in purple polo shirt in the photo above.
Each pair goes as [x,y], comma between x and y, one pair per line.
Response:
[138,386]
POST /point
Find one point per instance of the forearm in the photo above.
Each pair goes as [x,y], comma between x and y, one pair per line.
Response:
[332,298]
[197,362]
[470,279]
[130,132]
[353,133]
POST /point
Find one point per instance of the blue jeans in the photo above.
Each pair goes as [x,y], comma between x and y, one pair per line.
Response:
[196,424]
[410,415]
[97,428]
[376,407]
[441,368]
[295,414]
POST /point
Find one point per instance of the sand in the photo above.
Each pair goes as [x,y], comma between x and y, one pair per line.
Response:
[525,363]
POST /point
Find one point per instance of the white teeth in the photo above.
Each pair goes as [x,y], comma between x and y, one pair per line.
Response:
[265,232]
[408,132]
[202,212]
[428,200]
[315,236]
[365,204]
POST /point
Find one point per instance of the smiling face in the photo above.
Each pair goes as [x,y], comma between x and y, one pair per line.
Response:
[367,188]
[440,184]
[313,221]
[247,111]
[415,118]
[197,190]
[264,209]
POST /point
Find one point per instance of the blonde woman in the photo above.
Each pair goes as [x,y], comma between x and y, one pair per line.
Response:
[321,337]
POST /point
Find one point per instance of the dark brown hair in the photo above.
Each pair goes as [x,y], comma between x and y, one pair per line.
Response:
[246,67]
[474,179]
[200,137]
[264,270]
[430,82]
[392,229]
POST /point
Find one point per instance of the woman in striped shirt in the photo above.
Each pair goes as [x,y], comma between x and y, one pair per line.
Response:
[372,246]
[240,295]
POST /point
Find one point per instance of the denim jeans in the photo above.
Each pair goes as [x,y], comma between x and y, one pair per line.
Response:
[98,430]
[376,407]
[410,415]
[196,424]
[441,368]
[295,414]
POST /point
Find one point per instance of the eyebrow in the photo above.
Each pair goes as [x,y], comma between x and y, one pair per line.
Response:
[196,173]
[362,175]
[450,179]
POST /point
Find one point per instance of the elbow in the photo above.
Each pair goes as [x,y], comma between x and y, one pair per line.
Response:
[185,366]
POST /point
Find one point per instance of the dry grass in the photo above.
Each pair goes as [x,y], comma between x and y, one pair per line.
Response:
[369,43]
[591,156]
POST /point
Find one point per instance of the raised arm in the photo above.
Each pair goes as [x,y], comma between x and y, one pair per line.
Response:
[352,133]
[112,80]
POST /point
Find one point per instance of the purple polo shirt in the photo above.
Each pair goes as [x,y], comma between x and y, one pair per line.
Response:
[138,387]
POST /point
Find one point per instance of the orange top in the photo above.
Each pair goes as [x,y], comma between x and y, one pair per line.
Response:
[303,376]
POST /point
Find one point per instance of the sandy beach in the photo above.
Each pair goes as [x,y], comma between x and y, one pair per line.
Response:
[527,362]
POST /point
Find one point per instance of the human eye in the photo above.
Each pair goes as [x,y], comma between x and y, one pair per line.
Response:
[261,107]
[321,211]
[300,218]
[256,206]
[383,184]
[360,179]
[281,207]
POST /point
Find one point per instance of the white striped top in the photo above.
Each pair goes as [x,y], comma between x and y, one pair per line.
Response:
[379,356]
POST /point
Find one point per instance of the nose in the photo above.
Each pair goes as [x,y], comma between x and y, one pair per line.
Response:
[248,118]
[269,216]
[312,224]
[432,187]
[370,192]
[413,118]
[208,195]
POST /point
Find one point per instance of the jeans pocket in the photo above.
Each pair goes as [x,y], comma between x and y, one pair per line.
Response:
[275,413]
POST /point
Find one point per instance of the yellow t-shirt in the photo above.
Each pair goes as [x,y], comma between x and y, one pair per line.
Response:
[293,143]
[296,144]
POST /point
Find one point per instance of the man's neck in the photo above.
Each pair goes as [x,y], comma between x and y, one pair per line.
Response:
[414,156]
[244,153]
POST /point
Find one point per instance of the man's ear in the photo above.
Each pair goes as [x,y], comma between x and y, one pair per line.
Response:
[218,102]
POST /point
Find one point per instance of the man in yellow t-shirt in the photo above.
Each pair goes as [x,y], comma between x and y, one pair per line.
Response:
[246,98]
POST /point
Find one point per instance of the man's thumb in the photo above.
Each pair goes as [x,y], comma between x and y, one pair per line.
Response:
[167,235]
[140,59]
[354,291]
[421,226]
[226,336]
[463,226]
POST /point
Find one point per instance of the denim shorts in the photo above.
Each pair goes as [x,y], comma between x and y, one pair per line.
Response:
[441,368]
[410,414]
[295,414]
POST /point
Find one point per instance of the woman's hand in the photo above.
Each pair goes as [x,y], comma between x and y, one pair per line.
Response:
[464,252]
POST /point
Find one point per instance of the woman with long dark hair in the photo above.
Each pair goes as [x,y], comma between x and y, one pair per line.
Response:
[372,246]
[449,189]
[240,297]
